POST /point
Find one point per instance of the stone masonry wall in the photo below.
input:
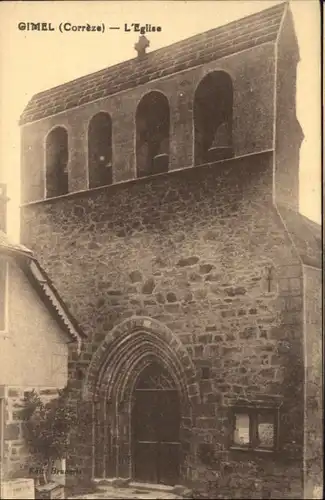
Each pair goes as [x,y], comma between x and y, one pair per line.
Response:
[314,380]
[17,460]
[204,252]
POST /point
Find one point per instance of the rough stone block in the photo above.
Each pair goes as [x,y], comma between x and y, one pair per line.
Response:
[12,432]
[135,276]
[171,297]
[187,261]
[149,286]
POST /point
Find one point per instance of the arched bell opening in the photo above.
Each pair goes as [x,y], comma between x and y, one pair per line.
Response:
[213,105]
[100,150]
[152,134]
[56,163]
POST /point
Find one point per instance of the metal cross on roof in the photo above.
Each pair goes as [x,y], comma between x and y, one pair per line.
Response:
[141,45]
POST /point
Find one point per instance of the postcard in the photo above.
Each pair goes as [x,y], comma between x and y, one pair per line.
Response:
[160,249]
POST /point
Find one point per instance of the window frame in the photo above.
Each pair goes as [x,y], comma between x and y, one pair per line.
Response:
[253,412]
[3,260]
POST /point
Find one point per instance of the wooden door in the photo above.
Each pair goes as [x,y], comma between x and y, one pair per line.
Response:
[155,425]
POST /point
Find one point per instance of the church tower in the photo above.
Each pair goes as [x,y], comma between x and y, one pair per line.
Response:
[161,196]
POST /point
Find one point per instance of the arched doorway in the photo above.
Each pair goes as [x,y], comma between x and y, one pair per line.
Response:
[155,423]
[138,355]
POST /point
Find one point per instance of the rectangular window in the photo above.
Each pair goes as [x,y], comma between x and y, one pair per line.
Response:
[241,432]
[3,294]
[266,430]
[254,428]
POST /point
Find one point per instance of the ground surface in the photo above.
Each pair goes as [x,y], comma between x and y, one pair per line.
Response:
[132,491]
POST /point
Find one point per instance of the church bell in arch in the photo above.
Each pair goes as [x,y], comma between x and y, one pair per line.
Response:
[221,148]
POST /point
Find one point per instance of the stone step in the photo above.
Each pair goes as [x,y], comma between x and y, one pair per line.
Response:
[123,488]
[151,486]
[110,492]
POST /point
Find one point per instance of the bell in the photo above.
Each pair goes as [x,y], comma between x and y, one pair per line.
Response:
[221,137]
[163,146]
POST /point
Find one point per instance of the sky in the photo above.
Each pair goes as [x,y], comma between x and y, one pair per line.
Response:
[32,61]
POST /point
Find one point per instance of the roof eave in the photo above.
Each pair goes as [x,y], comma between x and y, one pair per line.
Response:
[48,294]
[16,252]
[48,289]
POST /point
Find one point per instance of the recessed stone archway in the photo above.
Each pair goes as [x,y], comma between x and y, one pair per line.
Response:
[109,385]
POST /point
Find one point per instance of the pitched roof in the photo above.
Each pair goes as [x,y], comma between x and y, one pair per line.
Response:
[42,285]
[306,236]
[52,300]
[211,45]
